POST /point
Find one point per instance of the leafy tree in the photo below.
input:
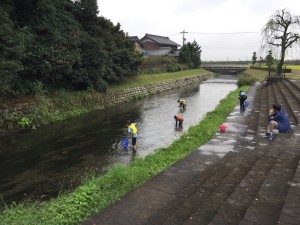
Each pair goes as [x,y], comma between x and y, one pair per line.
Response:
[254,58]
[11,48]
[62,43]
[190,54]
[87,11]
[122,59]
[89,71]
[116,58]
[282,30]
[269,61]
[54,49]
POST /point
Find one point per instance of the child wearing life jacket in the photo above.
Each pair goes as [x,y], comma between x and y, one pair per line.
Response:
[178,120]
[182,103]
[133,131]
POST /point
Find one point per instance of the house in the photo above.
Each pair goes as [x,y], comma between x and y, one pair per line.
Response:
[159,45]
[138,45]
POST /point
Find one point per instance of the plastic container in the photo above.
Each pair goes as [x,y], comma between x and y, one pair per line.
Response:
[222,128]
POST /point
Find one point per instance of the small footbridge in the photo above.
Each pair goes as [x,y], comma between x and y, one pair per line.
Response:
[225,69]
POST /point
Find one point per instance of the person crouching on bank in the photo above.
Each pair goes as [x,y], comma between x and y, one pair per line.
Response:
[277,120]
[178,120]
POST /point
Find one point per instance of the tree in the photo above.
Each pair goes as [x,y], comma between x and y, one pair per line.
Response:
[281,31]
[254,58]
[190,54]
[269,61]
[53,50]
[12,49]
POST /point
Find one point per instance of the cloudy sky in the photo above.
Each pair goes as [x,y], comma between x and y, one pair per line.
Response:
[225,29]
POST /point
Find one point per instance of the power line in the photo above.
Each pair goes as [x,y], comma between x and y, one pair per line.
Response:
[218,33]
[244,32]
[228,47]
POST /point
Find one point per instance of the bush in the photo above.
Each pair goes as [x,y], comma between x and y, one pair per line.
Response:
[159,60]
[174,67]
[245,80]
[171,68]
[153,70]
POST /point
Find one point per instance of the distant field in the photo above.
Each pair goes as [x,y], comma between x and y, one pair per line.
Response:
[261,74]
[294,67]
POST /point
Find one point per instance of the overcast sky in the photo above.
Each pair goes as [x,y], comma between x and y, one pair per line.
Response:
[225,29]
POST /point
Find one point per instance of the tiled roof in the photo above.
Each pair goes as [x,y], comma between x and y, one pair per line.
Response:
[160,39]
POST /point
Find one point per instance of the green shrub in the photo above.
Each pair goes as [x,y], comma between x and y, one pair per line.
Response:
[159,60]
[171,68]
[153,70]
[246,80]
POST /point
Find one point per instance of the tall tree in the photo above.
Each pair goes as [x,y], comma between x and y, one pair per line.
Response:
[190,54]
[122,59]
[281,31]
[53,51]
[11,48]
[113,50]
[89,72]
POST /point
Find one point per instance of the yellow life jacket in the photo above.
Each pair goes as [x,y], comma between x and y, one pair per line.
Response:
[182,102]
[133,128]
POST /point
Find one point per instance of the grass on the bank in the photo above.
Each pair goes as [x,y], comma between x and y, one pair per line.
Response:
[157,78]
[99,192]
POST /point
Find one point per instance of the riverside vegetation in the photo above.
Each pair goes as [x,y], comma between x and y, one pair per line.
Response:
[98,192]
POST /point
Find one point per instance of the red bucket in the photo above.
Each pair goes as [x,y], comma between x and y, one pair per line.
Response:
[222,128]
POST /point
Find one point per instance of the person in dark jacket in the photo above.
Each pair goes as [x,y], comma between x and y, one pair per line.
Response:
[242,98]
[277,120]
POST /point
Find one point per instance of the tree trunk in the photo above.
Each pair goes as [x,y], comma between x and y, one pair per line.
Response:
[280,64]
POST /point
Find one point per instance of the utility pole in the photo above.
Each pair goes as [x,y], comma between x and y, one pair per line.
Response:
[183,38]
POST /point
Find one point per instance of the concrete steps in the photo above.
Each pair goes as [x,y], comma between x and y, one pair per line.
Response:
[206,201]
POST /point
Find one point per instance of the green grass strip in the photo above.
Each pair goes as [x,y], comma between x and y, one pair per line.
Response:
[147,79]
[98,192]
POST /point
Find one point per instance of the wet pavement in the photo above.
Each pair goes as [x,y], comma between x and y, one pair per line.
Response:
[238,177]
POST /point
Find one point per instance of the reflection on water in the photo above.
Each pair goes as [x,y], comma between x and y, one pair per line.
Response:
[41,162]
